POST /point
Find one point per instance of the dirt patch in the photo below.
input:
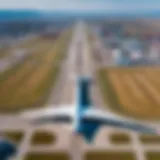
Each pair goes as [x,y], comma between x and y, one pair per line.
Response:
[119,138]
[110,156]
[43,138]
[47,156]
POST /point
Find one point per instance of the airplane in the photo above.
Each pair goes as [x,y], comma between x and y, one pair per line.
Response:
[84,118]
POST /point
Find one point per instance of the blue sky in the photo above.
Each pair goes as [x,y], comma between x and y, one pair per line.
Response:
[84,5]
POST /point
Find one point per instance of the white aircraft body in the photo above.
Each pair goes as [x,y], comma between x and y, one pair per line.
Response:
[85,120]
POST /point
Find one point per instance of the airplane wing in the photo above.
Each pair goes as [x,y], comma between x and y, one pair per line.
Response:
[61,114]
[101,118]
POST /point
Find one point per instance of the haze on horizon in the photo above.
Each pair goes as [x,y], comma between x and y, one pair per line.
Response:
[99,6]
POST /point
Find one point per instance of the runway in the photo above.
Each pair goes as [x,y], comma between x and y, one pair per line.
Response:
[79,61]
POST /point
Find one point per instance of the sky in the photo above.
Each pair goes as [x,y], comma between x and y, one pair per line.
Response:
[83,5]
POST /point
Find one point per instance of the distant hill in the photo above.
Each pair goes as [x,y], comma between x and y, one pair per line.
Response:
[9,15]
[22,15]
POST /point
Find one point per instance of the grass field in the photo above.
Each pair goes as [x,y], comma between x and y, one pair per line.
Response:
[109,155]
[29,82]
[133,91]
[119,138]
[26,44]
[43,137]
[153,155]
[47,156]
[92,156]
[14,136]
[150,139]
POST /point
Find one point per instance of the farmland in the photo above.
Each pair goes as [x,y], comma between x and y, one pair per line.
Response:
[132,91]
[28,82]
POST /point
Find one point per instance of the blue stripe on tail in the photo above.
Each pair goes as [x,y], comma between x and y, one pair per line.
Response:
[84,101]
[84,92]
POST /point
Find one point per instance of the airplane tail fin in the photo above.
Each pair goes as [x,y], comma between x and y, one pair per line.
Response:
[84,86]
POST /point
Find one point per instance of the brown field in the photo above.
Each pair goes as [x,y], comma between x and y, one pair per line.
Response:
[47,156]
[109,155]
[28,83]
[153,155]
[14,136]
[135,91]
[145,139]
[119,138]
[43,137]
